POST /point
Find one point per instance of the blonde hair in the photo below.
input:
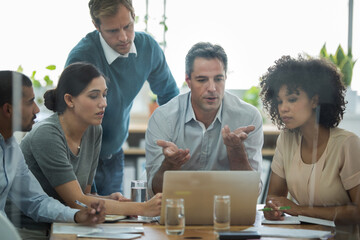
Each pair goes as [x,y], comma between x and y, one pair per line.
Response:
[100,8]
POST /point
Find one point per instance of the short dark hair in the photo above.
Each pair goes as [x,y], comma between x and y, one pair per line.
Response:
[101,8]
[6,84]
[313,76]
[204,50]
[73,80]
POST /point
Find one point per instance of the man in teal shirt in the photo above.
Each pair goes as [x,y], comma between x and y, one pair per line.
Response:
[128,59]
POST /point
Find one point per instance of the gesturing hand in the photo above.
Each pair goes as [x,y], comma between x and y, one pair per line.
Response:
[173,155]
[235,138]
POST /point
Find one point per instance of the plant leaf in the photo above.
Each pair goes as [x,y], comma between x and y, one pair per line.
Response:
[353,62]
[333,59]
[51,67]
[323,52]
[36,83]
[20,69]
[252,96]
[340,55]
[33,75]
[48,81]
[347,71]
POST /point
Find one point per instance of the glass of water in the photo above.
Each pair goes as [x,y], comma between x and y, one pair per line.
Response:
[139,194]
[174,216]
[221,212]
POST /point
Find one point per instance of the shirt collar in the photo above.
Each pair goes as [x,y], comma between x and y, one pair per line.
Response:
[8,142]
[191,115]
[111,54]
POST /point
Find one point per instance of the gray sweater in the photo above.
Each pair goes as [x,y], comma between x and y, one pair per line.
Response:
[51,161]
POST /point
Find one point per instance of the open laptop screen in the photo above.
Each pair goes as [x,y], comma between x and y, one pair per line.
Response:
[198,188]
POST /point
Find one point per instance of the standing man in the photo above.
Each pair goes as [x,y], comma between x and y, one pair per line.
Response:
[128,59]
[206,128]
[16,181]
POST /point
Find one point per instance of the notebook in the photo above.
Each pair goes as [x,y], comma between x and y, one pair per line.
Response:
[198,188]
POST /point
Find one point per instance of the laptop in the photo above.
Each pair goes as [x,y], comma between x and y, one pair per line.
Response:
[198,188]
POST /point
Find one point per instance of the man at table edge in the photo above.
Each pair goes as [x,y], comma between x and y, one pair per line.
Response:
[205,129]
[19,184]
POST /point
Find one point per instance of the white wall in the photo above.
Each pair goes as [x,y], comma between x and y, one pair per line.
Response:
[254,33]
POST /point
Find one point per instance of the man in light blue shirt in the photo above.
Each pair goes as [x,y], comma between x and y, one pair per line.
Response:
[17,182]
[206,128]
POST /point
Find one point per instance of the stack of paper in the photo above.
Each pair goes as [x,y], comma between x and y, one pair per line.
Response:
[116,231]
[286,232]
[299,219]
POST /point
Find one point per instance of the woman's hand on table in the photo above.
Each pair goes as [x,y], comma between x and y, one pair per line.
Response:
[153,206]
[276,202]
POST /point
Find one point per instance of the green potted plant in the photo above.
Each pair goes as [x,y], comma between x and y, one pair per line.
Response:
[345,64]
[252,96]
[40,85]
[343,61]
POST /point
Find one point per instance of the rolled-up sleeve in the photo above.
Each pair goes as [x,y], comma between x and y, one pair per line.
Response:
[158,129]
[28,195]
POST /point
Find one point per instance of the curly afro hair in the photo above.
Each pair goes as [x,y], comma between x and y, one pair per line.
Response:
[314,77]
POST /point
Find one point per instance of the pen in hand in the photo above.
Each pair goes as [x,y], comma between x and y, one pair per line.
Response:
[83,205]
[277,209]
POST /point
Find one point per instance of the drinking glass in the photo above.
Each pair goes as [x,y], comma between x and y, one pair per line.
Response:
[139,194]
[174,216]
[221,212]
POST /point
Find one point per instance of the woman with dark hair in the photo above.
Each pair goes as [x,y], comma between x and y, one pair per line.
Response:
[63,150]
[315,161]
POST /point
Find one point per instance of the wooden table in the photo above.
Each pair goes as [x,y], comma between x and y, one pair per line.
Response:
[154,231]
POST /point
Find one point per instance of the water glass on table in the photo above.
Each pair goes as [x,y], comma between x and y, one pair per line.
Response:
[221,212]
[139,194]
[174,216]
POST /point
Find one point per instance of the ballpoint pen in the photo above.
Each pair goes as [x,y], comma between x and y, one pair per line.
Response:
[277,209]
[81,204]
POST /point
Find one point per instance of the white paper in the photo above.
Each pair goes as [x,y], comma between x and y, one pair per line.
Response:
[110,235]
[298,219]
[137,220]
[73,228]
[316,221]
[288,220]
[288,232]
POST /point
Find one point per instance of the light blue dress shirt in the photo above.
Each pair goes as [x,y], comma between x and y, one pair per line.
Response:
[176,122]
[19,185]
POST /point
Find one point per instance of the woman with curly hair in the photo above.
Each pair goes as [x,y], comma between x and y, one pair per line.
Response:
[315,161]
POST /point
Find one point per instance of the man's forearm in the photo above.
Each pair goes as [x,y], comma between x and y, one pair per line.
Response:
[238,159]
[157,182]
